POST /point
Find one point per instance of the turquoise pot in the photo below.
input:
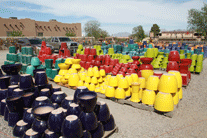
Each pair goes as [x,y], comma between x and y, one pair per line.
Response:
[49,72]
[12,49]
[49,63]
[35,61]
[41,67]
[30,70]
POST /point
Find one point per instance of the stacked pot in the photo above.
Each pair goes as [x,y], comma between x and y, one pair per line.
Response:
[197,63]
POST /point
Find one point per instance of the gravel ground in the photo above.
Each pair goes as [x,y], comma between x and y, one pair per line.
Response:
[189,120]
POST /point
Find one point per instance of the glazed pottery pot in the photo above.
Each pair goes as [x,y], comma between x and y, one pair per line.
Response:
[26,82]
[35,61]
[174,56]
[146,73]
[6,113]
[30,133]
[1,74]
[86,134]
[4,82]
[28,99]
[28,116]
[2,105]
[72,127]
[55,120]
[3,94]
[98,132]
[172,65]
[13,118]
[74,109]
[120,93]
[148,97]
[110,92]
[146,60]
[11,89]
[55,105]
[89,120]
[37,70]
[109,124]
[152,82]
[41,78]
[178,77]
[17,92]
[50,134]
[79,90]
[67,101]
[45,92]
[56,88]
[20,128]
[39,125]
[42,112]
[102,111]
[42,100]
[15,104]
[58,97]
[30,70]
[87,101]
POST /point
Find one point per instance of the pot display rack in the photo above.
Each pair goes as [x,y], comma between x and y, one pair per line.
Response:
[141,106]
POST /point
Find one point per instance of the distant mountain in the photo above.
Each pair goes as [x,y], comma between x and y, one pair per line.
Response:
[122,34]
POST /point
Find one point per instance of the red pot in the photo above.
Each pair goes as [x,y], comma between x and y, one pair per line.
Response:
[107,63]
[98,58]
[84,57]
[93,51]
[116,61]
[188,61]
[107,69]
[54,57]
[135,57]
[139,74]
[146,60]
[134,66]
[136,62]
[90,58]
[83,64]
[63,46]
[185,79]
[87,65]
[98,63]
[102,67]
[184,66]
[114,73]
[110,67]
[67,53]
[131,71]
[87,51]
[48,51]
[146,67]
[126,65]
[157,73]
[112,62]
[93,62]
[117,68]
[124,69]
[174,56]
[172,65]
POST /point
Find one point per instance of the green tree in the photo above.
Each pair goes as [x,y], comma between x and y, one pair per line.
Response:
[70,33]
[155,29]
[138,33]
[92,29]
[197,20]
[16,33]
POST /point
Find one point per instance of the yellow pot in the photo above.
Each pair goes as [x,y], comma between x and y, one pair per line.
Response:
[88,79]
[67,76]
[119,76]
[110,91]
[147,73]
[82,76]
[86,84]
[80,83]
[120,93]
[178,77]
[128,92]
[68,61]
[105,87]
[134,77]
[76,66]
[168,83]
[100,79]
[74,79]
[57,78]
[95,68]
[135,87]
[76,61]
[123,83]
[152,83]
[92,87]
[108,76]
[96,74]
[113,81]
[103,91]
[97,89]
[140,93]
[148,97]
[94,80]
[129,79]
[63,66]
[72,70]
[90,73]
[164,102]
[62,72]
[175,98]
[142,82]
[64,81]
[180,92]
[102,72]
[135,97]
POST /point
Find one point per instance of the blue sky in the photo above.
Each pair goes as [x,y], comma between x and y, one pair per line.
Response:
[114,15]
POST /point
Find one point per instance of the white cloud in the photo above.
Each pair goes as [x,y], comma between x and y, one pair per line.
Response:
[138,12]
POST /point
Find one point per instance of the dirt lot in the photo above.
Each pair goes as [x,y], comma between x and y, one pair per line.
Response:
[189,120]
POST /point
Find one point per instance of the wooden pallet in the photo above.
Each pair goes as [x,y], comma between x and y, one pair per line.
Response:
[139,105]
[109,133]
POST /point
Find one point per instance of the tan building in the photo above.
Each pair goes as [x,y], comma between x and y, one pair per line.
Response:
[37,28]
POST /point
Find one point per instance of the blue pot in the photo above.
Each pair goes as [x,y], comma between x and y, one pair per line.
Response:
[41,101]
[3,94]
[6,113]
[20,128]
[86,134]
[56,89]
[36,70]
[50,134]
[49,86]
[55,105]
[13,118]
[42,115]
[55,120]
[74,109]
[17,92]
[2,107]
[11,69]
[28,117]
[89,120]
[102,111]
[58,97]
[39,125]
[4,82]
[11,89]
[98,132]
[109,124]
[30,133]
[28,99]
[79,90]
[66,102]
[87,101]
[45,92]
[1,74]
[26,82]
[15,104]
[72,127]
[41,78]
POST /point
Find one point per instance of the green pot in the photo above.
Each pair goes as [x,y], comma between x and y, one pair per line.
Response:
[41,67]
[23,50]
[19,57]
[194,57]
[54,73]
[48,63]
[49,72]
[6,62]
[35,61]
[193,62]
[192,68]
[188,55]
[164,65]
[24,68]
[78,51]
[166,55]
[82,52]
[182,51]
[156,66]
[199,58]
[30,70]
[12,49]
[29,50]
[28,59]
[199,63]
[155,52]
[8,56]
[58,61]
[11,62]
[80,46]
[182,56]
[198,69]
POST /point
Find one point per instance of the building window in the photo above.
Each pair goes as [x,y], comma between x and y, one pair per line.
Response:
[39,34]
[8,33]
